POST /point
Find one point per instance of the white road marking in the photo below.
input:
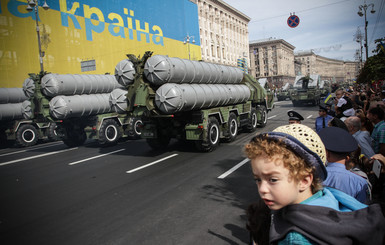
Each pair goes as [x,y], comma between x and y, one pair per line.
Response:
[224,175]
[271,117]
[309,116]
[37,156]
[102,155]
[30,149]
[152,163]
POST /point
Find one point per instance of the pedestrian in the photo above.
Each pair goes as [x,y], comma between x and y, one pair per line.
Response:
[288,166]
[362,137]
[376,116]
[343,105]
[336,122]
[294,117]
[339,144]
[323,119]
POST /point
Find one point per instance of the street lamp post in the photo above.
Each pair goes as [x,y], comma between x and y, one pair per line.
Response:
[33,5]
[187,41]
[364,8]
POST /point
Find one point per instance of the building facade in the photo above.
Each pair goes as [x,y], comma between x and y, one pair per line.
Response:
[272,59]
[224,34]
[329,69]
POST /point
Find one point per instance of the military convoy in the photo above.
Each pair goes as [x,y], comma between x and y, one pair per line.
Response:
[155,97]
[306,90]
[284,92]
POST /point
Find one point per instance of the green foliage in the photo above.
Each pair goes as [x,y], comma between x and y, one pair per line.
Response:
[374,68]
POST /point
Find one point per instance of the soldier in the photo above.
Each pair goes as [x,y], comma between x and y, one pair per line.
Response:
[294,117]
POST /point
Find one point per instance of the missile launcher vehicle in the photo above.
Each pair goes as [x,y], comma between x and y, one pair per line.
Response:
[16,124]
[190,100]
[306,90]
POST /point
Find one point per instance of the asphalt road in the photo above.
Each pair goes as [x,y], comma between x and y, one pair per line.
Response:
[128,193]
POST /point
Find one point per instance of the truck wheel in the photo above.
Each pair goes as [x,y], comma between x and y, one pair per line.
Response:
[159,143]
[212,140]
[26,135]
[263,120]
[74,138]
[52,135]
[232,128]
[253,121]
[136,130]
[109,132]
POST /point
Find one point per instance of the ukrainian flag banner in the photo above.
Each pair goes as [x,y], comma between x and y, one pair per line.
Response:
[328,97]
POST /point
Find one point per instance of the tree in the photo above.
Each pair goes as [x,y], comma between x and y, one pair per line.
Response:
[374,68]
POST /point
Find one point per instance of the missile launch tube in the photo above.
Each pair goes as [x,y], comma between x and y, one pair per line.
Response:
[171,98]
[29,87]
[14,111]
[125,72]
[161,69]
[62,107]
[74,84]
[118,100]
[12,95]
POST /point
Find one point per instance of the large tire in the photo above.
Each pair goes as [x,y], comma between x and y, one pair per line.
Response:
[232,128]
[26,135]
[211,141]
[136,130]
[109,132]
[74,138]
[253,121]
[159,143]
[263,120]
[52,135]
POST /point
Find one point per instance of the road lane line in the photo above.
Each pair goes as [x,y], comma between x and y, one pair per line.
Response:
[224,175]
[309,116]
[29,149]
[37,156]
[271,117]
[102,155]
[152,163]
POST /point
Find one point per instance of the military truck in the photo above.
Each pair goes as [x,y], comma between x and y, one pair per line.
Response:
[283,93]
[16,124]
[306,90]
[269,92]
[325,88]
[81,106]
[190,100]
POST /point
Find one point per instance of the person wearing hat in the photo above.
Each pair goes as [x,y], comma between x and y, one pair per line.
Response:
[323,119]
[339,144]
[294,117]
[288,166]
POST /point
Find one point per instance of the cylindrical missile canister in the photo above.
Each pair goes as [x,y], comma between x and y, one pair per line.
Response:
[11,111]
[71,84]
[125,72]
[62,107]
[29,87]
[118,100]
[171,98]
[161,69]
[12,95]
[26,109]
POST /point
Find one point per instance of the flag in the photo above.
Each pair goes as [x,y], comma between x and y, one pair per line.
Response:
[327,98]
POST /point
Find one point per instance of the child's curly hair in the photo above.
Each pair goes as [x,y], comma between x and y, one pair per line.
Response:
[277,150]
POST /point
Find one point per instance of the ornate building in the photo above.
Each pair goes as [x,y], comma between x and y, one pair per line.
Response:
[272,59]
[329,69]
[224,32]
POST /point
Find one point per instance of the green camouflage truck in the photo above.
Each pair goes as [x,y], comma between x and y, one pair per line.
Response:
[306,90]
[191,100]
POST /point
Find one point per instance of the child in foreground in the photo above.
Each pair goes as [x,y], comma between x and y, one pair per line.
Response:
[288,166]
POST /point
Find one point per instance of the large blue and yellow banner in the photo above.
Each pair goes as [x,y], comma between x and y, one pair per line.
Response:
[92,36]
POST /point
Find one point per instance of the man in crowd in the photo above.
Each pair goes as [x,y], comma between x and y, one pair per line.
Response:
[323,119]
[294,117]
[362,137]
[338,144]
[376,116]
